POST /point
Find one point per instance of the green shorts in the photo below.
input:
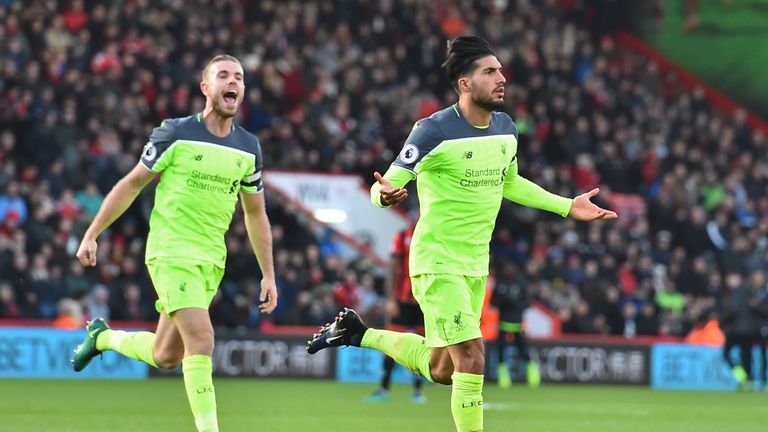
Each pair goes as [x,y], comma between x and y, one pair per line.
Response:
[181,286]
[452,305]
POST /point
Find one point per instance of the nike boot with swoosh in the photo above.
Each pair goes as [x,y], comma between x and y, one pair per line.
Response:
[346,329]
[87,350]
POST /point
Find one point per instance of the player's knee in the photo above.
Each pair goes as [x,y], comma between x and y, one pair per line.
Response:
[470,361]
[168,360]
[200,343]
[442,376]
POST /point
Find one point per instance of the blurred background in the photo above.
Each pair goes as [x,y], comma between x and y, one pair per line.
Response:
[658,103]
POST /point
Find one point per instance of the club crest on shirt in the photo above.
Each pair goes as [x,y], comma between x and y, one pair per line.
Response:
[409,154]
[150,151]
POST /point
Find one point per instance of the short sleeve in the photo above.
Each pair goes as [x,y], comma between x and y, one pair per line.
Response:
[252,182]
[156,155]
[424,137]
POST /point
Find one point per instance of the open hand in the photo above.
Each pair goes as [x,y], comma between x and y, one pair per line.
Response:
[585,210]
[390,196]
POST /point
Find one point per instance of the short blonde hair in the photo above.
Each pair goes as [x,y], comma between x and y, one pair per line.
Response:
[219,58]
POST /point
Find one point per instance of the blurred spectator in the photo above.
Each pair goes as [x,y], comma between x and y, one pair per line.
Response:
[330,89]
[12,206]
[738,323]
[646,322]
[629,313]
[89,199]
[9,309]
[98,303]
[706,331]
[131,306]
[70,315]
[347,292]
[760,306]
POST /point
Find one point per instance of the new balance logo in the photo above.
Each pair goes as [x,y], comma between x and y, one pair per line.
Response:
[468,155]
[199,157]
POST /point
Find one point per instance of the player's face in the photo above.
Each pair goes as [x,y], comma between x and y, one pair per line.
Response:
[224,87]
[487,84]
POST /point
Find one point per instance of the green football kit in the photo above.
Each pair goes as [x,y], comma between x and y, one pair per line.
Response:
[201,178]
[202,175]
[462,173]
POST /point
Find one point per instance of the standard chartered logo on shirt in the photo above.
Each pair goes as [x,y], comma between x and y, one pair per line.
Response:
[211,182]
[485,177]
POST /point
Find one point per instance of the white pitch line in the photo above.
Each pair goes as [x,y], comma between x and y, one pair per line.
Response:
[501,406]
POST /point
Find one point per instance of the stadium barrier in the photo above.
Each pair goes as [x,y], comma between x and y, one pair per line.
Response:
[604,361]
[365,366]
[40,352]
[690,367]
[661,363]
[260,355]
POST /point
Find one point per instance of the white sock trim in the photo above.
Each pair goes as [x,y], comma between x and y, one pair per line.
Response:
[207,422]
[116,338]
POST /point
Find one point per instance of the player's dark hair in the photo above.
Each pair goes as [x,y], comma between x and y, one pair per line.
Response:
[462,54]
[219,58]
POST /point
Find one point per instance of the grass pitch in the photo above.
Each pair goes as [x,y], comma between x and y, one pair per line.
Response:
[320,406]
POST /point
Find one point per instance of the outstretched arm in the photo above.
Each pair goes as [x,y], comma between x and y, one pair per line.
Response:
[115,204]
[260,235]
[525,192]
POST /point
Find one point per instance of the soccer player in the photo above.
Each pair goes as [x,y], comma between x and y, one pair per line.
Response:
[738,321]
[510,296]
[760,306]
[464,159]
[206,162]
[403,312]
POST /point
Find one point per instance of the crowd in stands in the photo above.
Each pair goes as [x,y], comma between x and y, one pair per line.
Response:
[335,86]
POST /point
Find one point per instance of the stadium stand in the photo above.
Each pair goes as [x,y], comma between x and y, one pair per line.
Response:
[335,87]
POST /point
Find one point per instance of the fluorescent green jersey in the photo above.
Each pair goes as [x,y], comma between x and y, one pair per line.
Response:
[202,175]
[462,173]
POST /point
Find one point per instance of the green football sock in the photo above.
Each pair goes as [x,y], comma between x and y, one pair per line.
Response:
[505,381]
[467,402]
[534,377]
[408,349]
[139,345]
[198,380]
[739,374]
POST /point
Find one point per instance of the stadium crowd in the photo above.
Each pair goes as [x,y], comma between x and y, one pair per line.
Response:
[335,86]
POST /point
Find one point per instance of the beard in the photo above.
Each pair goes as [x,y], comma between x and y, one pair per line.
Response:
[488,103]
[221,111]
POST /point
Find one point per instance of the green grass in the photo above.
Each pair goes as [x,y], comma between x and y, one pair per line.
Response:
[728,50]
[320,406]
